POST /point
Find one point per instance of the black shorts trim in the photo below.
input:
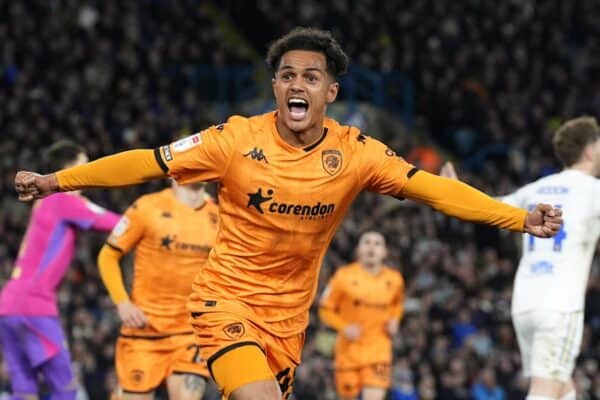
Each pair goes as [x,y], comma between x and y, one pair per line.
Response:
[155,337]
[160,161]
[227,349]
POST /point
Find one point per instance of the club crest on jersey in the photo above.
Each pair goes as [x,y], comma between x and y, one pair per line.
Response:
[137,375]
[186,143]
[235,330]
[332,161]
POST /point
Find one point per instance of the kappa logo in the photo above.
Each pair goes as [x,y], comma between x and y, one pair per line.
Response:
[332,161]
[257,155]
[235,330]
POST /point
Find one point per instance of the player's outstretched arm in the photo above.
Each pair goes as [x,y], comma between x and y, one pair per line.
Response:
[462,201]
[121,169]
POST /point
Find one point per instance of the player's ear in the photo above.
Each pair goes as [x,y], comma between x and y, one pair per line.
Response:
[273,83]
[587,153]
[332,91]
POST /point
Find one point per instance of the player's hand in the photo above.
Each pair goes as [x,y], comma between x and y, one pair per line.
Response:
[352,332]
[392,326]
[131,315]
[31,186]
[544,221]
[448,170]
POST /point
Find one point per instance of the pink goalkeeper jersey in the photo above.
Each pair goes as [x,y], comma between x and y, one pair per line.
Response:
[47,250]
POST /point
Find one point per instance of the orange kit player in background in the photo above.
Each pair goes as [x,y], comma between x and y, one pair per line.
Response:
[286,180]
[364,302]
[172,232]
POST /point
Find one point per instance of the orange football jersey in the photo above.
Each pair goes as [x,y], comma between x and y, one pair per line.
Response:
[279,207]
[171,242]
[369,300]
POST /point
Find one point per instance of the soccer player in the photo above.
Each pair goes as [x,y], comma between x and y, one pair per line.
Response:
[286,179]
[31,335]
[550,284]
[172,232]
[363,302]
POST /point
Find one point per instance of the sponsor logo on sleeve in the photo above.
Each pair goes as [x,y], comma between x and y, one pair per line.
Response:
[186,143]
[121,227]
[167,153]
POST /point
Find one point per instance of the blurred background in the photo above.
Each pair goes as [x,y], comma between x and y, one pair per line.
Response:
[482,83]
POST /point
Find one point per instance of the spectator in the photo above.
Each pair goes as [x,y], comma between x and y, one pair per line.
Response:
[486,388]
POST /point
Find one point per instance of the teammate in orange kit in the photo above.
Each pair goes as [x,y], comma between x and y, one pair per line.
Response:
[364,303]
[172,232]
[286,180]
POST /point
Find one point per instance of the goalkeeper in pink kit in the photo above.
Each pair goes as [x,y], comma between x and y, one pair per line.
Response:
[31,335]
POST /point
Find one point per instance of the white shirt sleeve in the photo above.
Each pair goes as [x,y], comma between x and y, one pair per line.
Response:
[516,199]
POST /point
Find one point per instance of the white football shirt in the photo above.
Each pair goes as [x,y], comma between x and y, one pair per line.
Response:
[553,273]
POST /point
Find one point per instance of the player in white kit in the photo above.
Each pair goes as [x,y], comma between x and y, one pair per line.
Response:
[549,289]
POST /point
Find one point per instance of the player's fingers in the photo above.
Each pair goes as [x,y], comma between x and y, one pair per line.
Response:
[547,231]
[25,197]
[553,226]
[140,319]
[555,221]
[24,178]
[544,208]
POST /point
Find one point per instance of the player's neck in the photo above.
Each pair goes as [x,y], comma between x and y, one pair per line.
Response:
[372,269]
[582,166]
[300,139]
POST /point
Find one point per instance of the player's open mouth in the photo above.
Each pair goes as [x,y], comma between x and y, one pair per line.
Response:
[298,108]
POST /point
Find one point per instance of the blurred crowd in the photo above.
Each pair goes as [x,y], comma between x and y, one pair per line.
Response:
[492,81]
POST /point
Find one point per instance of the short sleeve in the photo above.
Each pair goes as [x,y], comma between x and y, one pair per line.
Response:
[129,230]
[203,156]
[383,171]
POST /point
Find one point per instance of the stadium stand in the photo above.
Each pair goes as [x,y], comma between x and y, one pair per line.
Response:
[484,82]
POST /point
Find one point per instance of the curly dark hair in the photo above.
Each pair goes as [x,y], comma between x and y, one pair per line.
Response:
[310,39]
